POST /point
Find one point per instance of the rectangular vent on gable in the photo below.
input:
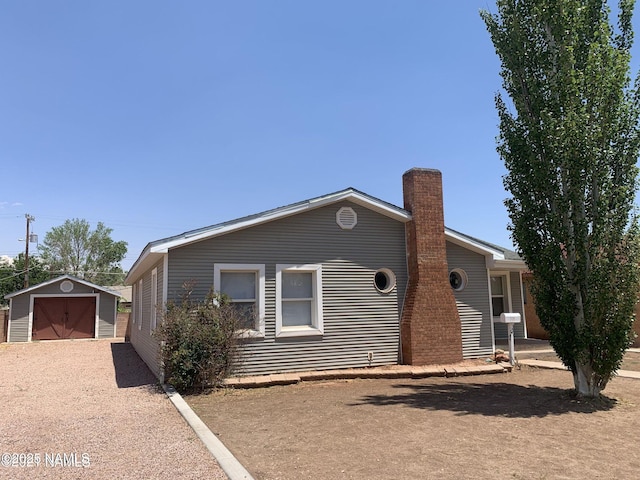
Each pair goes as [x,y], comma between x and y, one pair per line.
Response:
[346,218]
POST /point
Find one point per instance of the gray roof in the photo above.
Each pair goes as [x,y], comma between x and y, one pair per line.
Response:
[508,254]
[350,194]
[155,249]
[274,211]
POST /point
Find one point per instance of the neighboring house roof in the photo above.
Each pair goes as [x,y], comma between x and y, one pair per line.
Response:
[124,291]
[58,279]
[154,251]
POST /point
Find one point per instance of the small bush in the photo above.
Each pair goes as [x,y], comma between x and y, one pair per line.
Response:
[199,341]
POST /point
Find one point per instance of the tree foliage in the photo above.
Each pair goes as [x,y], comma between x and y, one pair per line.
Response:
[570,142]
[73,248]
[199,341]
[12,275]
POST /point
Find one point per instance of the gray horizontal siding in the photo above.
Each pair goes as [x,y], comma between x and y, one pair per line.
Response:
[357,318]
[107,316]
[472,301]
[19,319]
[145,344]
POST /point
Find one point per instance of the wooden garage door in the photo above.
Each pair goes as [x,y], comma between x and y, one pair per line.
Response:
[63,317]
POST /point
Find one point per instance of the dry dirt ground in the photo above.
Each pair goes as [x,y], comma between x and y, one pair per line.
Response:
[96,411]
[519,425]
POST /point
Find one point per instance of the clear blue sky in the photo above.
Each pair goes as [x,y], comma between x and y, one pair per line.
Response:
[157,117]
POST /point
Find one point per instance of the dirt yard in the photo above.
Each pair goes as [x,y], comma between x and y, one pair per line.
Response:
[519,425]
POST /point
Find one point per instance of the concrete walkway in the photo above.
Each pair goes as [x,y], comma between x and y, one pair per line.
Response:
[559,366]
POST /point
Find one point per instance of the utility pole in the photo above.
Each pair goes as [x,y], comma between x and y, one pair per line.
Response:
[26,250]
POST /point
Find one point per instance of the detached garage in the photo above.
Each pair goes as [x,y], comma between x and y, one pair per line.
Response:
[63,308]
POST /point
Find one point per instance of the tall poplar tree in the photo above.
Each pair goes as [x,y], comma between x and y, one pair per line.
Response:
[570,143]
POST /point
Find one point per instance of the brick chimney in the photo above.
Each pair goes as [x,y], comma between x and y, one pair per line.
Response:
[430,326]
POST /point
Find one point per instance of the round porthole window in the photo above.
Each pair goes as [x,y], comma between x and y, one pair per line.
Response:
[458,279]
[384,280]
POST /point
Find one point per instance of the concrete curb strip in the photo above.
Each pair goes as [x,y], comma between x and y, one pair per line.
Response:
[230,464]
[560,366]
[402,371]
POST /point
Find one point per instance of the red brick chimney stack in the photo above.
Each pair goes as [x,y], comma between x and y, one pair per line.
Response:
[430,325]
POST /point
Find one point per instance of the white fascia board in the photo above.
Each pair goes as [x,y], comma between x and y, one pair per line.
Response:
[382,208]
[213,232]
[494,259]
[60,279]
[387,210]
[151,255]
[144,263]
[511,265]
[464,242]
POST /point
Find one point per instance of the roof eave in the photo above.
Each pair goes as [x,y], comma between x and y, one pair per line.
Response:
[492,253]
[162,247]
[506,265]
[58,279]
[148,257]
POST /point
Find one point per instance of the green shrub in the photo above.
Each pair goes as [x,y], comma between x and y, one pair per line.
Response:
[199,341]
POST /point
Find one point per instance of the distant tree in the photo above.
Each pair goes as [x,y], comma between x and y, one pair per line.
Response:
[73,248]
[12,275]
[570,147]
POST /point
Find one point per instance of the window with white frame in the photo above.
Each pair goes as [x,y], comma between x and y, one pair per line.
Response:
[498,295]
[139,306]
[154,299]
[244,284]
[299,300]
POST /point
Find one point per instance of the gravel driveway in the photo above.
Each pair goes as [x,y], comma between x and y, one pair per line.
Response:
[91,409]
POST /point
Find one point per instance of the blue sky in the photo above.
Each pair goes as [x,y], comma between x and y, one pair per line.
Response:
[158,117]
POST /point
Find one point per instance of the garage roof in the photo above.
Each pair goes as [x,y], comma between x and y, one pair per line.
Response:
[59,279]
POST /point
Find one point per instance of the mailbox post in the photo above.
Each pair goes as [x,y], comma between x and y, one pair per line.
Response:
[510,319]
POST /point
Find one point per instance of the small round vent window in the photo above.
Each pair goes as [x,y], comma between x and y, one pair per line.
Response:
[384,280]
[347,218]
[458,279]
[66,286]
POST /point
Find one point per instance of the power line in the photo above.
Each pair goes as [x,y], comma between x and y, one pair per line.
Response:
[62,272]
[15,274]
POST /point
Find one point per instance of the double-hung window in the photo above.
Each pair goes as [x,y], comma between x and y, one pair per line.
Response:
[243,284]
[299,300]
[499,298]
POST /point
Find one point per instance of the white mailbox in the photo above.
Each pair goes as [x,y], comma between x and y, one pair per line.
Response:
[509,318]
